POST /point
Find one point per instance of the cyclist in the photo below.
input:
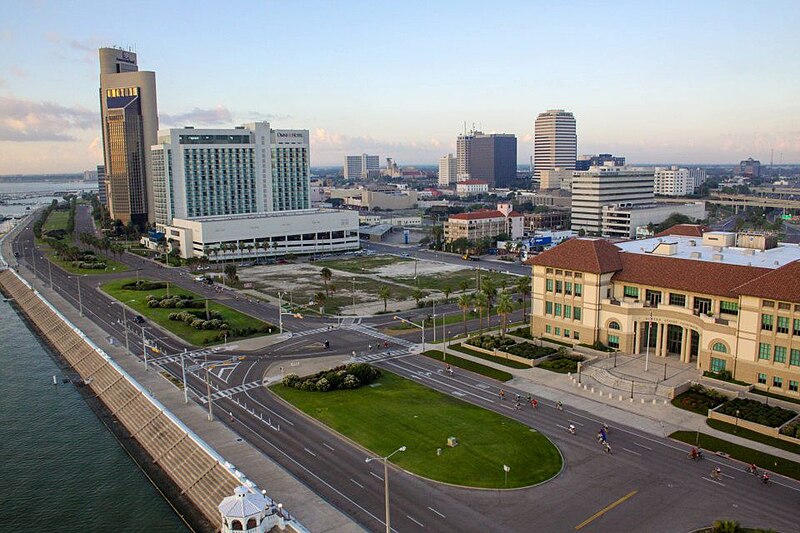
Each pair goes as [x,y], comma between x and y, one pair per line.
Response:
[693,453]
[571,428]
[751,469]
[559,405]
[716,473]
[765,478]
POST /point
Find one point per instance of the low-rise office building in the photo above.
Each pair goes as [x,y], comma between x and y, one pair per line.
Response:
[485,223]
[304,231]
[627,222]
[722,302]
[468,187]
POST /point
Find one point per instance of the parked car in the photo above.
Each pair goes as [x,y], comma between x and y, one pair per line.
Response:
[139,319]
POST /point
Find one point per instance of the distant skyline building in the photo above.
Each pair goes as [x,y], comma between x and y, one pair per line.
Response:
[555,143]
[673,181]
[750,168]
[129,118]
[236,171]
[361,167]
[463,154]
[584,162]
[607,185]
[493,159]
[698,176]
[101,185]
[447,170]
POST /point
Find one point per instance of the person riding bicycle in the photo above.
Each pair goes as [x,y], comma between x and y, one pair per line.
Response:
[559,405]
[572,428]
[716,473]
[765,478]
[693,453]
[752,468]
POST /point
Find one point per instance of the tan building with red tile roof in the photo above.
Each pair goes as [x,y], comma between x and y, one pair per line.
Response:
[692,294]
[485,223]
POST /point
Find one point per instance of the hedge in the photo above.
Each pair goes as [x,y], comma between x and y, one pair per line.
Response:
[350,376]
[755,411]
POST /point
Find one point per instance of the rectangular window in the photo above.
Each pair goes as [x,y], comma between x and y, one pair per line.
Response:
[762,379]
[548,285]
[652,297]
[548,308]
[631,292]
[793,385]
[677,299]
[796,326]
[794,357]
[728,308]
[768,303]
[568,287]
[566,333]
[702,305]
[764,351]
[548,328]
[717,365]
[780,354]
[579,290]
[558,331]
[559,286]
[576,313]
[783,324]
[576,335]
[777,382]
[613,341]
[567,311]
[558,310]
[783,306]
[766,322]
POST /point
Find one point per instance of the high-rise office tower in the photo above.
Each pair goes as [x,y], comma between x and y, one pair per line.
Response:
[362,166]
[101,184]
[463,154]
[493,159]
[129,117]
[608,185]
[555,143]
[673,181]
[447,170]
[248,169]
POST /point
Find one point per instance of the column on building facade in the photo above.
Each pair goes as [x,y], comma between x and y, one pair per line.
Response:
[684,345]
[664,337]
[636,337]
[659,333]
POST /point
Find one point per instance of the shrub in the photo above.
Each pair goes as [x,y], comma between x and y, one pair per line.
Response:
[755,411]
[349,376]
[144,285]
[523,332]
[290,380]
[792,430]
[350,382]
[323,385]
[491,342]
[530,351]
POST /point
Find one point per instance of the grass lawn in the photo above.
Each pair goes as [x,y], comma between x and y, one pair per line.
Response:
[466,364]
[453,280]
[753,435]
[486,357]
[396,412]
[56,220]
[695,402]
[747,455]
[136,300]
[362,264]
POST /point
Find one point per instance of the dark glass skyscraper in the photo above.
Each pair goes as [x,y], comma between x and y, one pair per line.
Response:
[493,159]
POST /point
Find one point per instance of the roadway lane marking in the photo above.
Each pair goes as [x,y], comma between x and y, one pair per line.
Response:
[642,446]
[376,475]
[712,481]
[329,447]
[437,512]
[310,452]
[357,483]
[415,521]
[574,422]
[633,452]
[604,510]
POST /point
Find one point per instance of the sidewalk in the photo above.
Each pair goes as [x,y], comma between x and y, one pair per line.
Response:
[660,418]
[310,510]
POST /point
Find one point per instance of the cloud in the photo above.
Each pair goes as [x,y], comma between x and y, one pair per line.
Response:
[28,121]
[18,72]
[207,117]
[328,148]
[85,49]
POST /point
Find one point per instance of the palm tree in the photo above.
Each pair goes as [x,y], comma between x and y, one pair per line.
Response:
[482,303]
[448,290]
[726,526]
[465,303]
[319,299]
[464,285]
[504,307]
[384,293]
[418,295]
[524,288]
[326,277]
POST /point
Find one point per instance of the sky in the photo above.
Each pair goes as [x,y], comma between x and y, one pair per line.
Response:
[657,82]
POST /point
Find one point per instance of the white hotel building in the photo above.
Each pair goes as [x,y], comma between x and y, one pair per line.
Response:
[215,187]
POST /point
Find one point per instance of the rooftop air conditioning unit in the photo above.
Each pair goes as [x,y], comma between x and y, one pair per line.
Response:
[692,242]
[717,257]
[695,255]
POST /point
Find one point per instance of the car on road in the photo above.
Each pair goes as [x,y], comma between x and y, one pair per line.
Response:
[200,278]
[406,254]
[139,319]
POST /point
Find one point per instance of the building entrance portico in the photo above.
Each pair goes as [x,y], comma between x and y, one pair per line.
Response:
[662,340]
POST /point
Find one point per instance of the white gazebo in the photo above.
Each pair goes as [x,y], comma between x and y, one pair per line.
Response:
[247,511]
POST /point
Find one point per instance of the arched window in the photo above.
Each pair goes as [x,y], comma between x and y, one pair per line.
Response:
[252,523]
[614,325]
[719,347]
[236,525]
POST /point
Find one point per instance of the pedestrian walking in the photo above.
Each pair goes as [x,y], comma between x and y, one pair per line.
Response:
[535,403]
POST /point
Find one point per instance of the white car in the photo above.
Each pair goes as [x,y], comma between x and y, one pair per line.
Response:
[199,278]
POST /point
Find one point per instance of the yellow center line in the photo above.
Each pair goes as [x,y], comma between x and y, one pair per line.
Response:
[603,511]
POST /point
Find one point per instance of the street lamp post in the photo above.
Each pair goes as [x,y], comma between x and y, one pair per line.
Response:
[386,482]
[144,349]
[125,327]
[280,311]
[579,372]
[434,321]
[647,351]
[50,273]
[80,300]
[419,326]
[736,429]
[183,374]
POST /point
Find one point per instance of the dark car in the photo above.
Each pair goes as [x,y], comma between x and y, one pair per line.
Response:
[139,319]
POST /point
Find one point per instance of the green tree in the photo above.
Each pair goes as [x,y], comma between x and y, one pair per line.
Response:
[230,273]
[418,295]
[448,290]
[326,277]
[504,307]
[465,303]
[489,288]
[524,288]
[482,303]
[319,299]
[726,526]
[464,285]
[384,293]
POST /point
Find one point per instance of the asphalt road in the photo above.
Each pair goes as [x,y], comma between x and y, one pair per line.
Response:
[654,486]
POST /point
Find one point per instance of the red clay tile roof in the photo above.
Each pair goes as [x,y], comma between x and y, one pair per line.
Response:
[476,215]
[779,284]
[584,255]
[686,230]
[473,182]
[691,275]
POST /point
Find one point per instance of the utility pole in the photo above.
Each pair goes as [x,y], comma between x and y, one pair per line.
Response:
[144,349]
[80,300]
[183,372]
[125,327]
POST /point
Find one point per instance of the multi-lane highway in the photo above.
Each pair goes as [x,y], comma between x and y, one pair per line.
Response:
[648,484]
